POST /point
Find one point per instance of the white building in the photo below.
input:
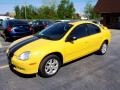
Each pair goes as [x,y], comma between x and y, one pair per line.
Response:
[3,17]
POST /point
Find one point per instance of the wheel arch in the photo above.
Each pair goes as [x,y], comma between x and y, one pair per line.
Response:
[41,72]
[106,41]
[57,54]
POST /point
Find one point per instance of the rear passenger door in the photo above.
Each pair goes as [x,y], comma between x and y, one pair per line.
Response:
[95,37]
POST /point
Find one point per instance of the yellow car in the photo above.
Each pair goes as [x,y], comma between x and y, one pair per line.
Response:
[56,45]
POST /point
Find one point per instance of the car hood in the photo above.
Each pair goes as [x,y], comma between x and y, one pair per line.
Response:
[19,40]
[38,45]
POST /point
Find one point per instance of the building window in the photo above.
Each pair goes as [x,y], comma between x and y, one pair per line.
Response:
[119,19]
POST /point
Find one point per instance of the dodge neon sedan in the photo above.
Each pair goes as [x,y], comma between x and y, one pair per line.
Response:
[63,42]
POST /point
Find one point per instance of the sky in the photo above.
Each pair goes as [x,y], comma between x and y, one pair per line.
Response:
[8,5]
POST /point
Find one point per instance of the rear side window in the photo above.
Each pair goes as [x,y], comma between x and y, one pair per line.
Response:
[40,22]
[47,22]
[79,32]
[92,29]
[37,22]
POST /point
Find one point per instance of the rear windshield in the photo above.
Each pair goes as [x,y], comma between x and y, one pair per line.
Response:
[16,23]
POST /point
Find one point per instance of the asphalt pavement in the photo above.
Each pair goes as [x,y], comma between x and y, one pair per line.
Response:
[93,72]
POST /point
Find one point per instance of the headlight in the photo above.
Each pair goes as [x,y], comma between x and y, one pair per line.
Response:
[24,56]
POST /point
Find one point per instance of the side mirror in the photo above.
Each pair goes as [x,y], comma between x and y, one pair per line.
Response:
[71,38]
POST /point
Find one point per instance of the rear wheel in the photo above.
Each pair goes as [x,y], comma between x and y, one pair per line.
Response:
[103,49]
[49,66]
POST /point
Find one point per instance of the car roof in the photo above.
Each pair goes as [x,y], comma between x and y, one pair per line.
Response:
[77,22]
[42,20]
[17,20]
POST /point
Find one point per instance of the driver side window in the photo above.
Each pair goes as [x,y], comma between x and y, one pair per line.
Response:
[79,32]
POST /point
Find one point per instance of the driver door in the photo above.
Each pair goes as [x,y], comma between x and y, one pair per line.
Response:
[76,43]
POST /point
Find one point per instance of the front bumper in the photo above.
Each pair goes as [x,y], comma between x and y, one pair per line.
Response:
[24,67]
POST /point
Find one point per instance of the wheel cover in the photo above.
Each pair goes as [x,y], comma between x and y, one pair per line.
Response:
[104,48]
[51,67]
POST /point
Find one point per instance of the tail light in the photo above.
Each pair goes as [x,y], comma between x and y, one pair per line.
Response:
[9,29]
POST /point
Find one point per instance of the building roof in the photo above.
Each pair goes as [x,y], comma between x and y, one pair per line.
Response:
[2,14]
[107,6]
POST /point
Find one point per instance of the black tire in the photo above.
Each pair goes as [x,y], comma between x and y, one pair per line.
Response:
[43,66]
[103,49]
[8,39]
[5,38]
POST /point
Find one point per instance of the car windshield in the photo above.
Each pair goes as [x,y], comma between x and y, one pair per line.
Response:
[55,31]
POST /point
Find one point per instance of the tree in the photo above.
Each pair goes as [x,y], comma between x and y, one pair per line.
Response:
[65,9]
[70,10]
[52,11]
[46,12]
[49,9]
[89,12]
[31,12]
[22,14]
[50,3]
[17,12]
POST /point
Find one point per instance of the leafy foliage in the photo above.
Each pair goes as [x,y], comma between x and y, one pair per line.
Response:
[89,12]
[65,9]
[17,11]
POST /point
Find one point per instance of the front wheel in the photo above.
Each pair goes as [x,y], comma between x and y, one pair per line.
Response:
[49,66]
[103,49]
